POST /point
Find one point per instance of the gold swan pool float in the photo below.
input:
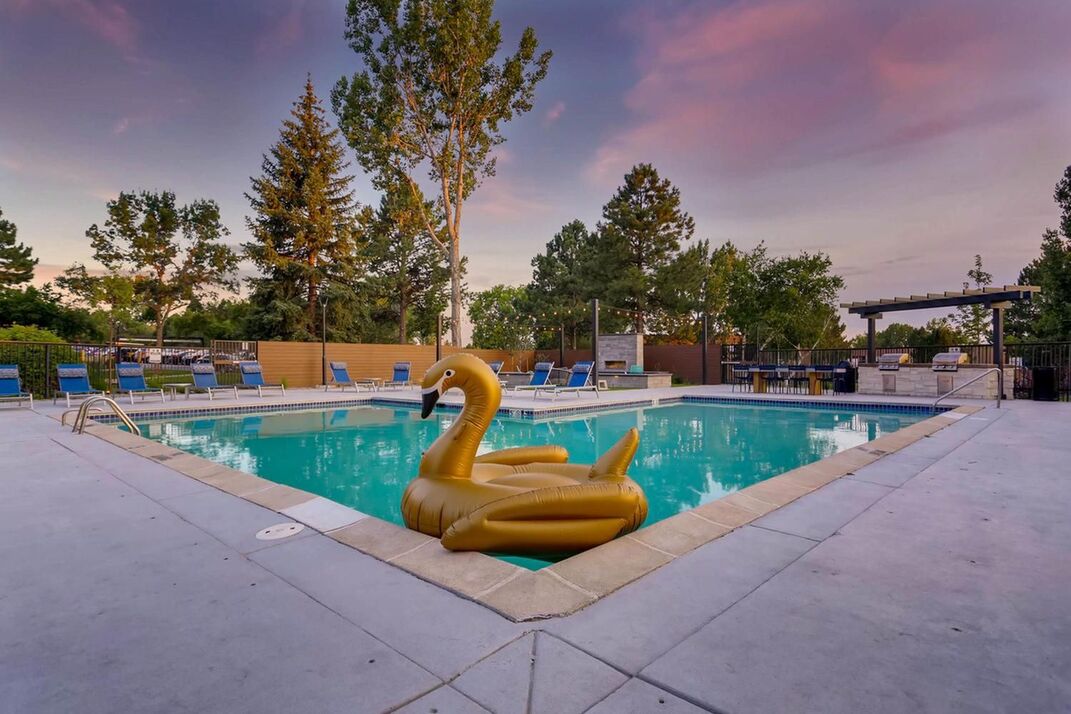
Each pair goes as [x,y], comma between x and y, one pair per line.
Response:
[522,500]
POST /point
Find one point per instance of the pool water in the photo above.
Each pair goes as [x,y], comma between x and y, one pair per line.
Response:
[689,453]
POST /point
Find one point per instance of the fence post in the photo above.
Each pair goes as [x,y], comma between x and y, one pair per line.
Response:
[595,341]
[703,352]
[48,370]
[561,345]
[438,337]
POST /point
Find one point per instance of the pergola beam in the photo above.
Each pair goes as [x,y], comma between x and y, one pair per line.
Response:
[987,297]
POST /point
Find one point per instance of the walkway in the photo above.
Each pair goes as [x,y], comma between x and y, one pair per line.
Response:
[933,580]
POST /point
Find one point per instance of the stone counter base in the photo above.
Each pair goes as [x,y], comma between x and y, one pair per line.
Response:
[922,381]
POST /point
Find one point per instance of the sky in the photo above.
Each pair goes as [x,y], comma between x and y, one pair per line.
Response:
[898,137]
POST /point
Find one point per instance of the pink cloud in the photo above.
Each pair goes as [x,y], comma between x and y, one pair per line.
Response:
[554,113]
[108,19]
[748,87]
[283,31]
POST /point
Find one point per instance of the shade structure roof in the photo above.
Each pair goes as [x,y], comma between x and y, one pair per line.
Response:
[981,296]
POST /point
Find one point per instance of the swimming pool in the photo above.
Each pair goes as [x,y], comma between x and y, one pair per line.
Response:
[690,453]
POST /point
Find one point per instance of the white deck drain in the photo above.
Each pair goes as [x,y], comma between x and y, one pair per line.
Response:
[282,530]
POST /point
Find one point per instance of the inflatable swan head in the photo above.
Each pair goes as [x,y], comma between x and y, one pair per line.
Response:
[468,373]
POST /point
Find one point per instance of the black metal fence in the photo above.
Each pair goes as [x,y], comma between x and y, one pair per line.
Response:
[1023,357]
[37,362]
[1026,356]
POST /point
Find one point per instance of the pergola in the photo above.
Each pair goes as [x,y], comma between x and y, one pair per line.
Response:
[995,299]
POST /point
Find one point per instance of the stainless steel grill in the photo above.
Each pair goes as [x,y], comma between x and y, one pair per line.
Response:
[949,361]
[891,362]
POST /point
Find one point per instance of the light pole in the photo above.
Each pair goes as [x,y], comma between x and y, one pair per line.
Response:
[323,298]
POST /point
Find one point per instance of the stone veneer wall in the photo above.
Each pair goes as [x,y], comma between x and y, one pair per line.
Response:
[921,381]
[627,348]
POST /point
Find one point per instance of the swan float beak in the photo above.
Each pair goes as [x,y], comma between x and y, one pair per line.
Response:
[429,398]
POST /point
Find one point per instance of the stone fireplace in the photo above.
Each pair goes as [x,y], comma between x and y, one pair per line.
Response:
[619,352]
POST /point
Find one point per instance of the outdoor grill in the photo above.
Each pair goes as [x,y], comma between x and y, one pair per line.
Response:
[891,362]
[949,361]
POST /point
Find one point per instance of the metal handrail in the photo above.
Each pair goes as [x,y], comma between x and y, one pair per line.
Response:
[63,417]
[1000,386]
[83,414]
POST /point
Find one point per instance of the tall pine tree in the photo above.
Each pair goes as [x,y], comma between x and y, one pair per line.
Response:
[16,263]
[304,227]
[973,320]
[409,275]
[559,291]
[641,234]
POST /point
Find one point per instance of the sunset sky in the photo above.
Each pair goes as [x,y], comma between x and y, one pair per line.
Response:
[897,136]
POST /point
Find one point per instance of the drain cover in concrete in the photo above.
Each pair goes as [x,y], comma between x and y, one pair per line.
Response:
[282,530]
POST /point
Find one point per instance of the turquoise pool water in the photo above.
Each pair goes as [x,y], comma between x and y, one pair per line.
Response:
[689,453]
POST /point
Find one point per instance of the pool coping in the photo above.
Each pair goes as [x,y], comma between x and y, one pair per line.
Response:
[515,592]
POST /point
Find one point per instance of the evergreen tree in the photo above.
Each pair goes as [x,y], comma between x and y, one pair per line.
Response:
[973,321]
[16,262]
[304,228]
[408,273]
[560,289]
[1048,315]
[173,253]
[641,233]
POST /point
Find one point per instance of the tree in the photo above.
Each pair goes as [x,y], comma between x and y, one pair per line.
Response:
[560,289]
[42,308]
[408,273]
[938,332]
[112,295]
[304,224]
[221,320]
[641,233]
[787,301]
[499,319]
[1048,315]
[432,97]
[173,253]
[16,261]
[698,281]
[972,321]
[28,333]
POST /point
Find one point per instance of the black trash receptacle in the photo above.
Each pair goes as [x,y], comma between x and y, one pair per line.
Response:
[1043,381]
[844,379]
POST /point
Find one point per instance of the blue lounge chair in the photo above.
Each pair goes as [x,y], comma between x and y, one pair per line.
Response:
[204,380]
[340,377]
[579,381]
[496,366]
[400,378]
[11,385]
[73,382]
[253,378]
[540,377]
[131,376]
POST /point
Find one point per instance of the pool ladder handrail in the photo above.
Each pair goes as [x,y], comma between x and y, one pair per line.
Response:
[63,417]
[83,414]
[1000,386]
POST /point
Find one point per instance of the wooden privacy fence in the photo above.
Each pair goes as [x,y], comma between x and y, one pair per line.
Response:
[299,363]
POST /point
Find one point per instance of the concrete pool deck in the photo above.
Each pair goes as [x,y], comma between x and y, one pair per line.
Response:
[934,579]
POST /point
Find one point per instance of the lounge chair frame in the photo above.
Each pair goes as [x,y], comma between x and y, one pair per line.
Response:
[204,370]
[251,372]
[133,371]
[8,373]
[69,373]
